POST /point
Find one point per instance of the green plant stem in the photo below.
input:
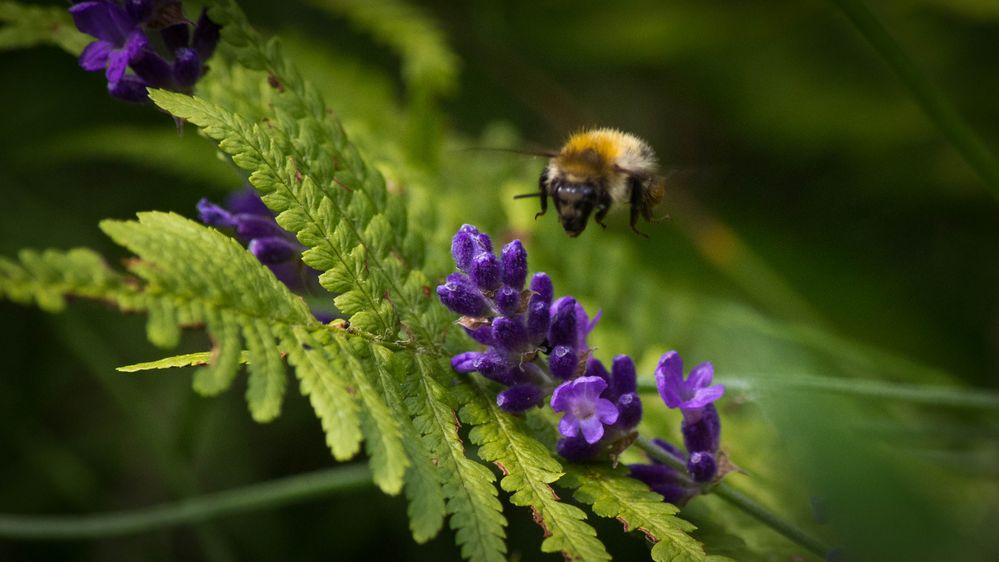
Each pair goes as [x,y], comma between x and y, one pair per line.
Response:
[257,496]
[935,395]
[932,101]
[742,501]
[770,519]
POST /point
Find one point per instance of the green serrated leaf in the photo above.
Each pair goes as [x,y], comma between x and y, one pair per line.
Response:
[185,360]
[612,493]
[423,487]
[265,387]
[226,354]
[529,468]
[332,397]
[383,438]
[476,513]
[162,326]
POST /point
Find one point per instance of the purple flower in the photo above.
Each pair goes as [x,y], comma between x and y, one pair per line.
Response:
[586,412]
[120,41]
[702,466]
[122,31]
[254,224]
[690,394]
[673,485]
[701,429]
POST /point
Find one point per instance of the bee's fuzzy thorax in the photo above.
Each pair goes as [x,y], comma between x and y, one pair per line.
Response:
[598,152]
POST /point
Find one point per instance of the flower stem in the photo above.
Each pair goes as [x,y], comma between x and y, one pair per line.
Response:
[741,501]
[933,102]
[257,496]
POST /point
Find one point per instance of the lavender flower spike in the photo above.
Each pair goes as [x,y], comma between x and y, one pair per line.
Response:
[690,394]
[586,412]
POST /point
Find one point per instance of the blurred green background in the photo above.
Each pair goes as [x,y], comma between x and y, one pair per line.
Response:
[821,225]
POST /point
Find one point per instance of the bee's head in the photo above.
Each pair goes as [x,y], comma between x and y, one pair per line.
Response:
[574,202]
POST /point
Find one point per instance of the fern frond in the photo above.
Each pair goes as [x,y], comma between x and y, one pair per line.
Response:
[46,278]
[28,26]
[205,276]
[381,429]
[529,468]
[612,493]
[476,513]
[423,486]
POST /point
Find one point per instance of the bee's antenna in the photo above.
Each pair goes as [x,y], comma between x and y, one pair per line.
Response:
[543,153]
[526,195]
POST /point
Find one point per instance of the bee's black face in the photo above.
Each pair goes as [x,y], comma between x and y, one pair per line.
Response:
[574,203]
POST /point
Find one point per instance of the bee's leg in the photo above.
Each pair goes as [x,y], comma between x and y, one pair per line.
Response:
[599,217]
[543,187]
[637,204]
[602,207]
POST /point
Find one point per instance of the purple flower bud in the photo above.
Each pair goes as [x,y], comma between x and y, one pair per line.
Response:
[702,466]
[507,300]
[206,36]
[129,88]
[702,433]
[213,215]
[483,334]
[576,449]
[563,361]
[585,412]
[463,247]
[257,226]
[273,249]
[176,36]
[186,67]
[542,285]
[630,408]
[485,271]
[514,264]
[654,474]
[623,376]
[247,201]
[461,296]
[594,368]
[510,335]
[465,362]
[664,479]
[498,367]
[153,69]
[519,397]
[562,330]
[676,494]
[537,320]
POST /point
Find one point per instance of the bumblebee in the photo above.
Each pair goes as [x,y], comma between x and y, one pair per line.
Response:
[596,171]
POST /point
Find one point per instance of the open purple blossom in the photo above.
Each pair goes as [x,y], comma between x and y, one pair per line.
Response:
[124,42]
[254,225]
[619,390]
[701,426]
[693,393]
[585,412]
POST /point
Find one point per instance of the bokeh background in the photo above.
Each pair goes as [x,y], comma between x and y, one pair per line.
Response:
[821,227]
